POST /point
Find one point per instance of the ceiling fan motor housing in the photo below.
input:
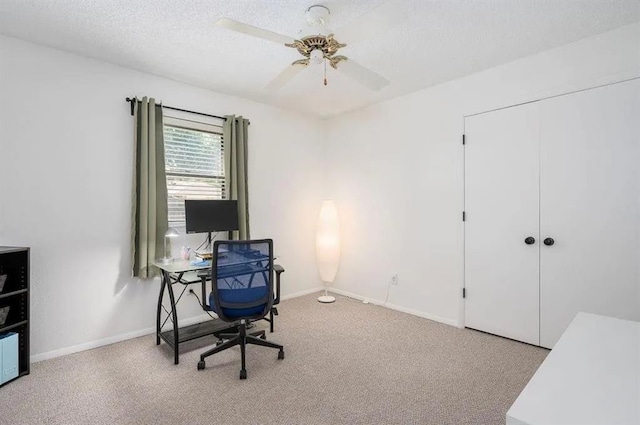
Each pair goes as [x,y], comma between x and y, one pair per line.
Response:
[325,44]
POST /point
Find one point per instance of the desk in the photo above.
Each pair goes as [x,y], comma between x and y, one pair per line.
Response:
[178,272]
[592,376]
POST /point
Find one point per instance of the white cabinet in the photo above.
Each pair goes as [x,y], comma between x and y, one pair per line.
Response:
[590,377]
[567,169]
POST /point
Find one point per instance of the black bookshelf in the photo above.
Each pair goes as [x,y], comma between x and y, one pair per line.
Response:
[14,263]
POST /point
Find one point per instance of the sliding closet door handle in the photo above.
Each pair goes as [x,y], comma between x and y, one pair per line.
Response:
[549,241]
[530,240]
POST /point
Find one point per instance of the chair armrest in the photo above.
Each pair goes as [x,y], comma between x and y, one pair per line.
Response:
[279,270]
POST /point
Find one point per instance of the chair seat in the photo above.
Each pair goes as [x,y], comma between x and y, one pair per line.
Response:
[241,296]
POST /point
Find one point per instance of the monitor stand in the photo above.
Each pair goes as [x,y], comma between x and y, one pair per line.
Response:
[206,252]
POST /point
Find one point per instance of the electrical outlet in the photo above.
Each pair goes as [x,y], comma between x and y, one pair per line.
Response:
[394,279]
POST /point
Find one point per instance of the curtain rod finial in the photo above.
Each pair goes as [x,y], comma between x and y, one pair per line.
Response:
[133,104]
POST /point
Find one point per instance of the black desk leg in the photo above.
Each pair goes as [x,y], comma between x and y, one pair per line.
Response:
[174,315]
[160,296]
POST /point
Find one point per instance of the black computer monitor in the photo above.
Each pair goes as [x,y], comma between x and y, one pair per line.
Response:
[204,216]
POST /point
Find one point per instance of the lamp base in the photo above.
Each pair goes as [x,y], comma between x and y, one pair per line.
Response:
[326,299]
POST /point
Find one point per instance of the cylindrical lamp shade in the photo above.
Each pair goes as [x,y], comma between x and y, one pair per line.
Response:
[328,241]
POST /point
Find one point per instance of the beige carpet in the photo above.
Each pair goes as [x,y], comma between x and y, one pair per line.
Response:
[346,363]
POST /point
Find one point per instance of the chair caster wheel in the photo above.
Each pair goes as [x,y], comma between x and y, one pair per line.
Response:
[243,374]
[201,365]
[281,355]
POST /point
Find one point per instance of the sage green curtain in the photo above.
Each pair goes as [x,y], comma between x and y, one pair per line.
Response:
[149,207]
[235,135]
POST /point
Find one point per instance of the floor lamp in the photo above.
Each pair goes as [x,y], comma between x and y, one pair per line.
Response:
[328,246]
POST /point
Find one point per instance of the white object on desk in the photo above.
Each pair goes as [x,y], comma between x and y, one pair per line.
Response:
[592,376]
[171,233]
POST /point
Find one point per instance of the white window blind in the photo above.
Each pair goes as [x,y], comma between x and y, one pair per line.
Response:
[194,156]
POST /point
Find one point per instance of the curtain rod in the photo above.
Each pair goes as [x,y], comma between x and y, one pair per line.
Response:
[133,100]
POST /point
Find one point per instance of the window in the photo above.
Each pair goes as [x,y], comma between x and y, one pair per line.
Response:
[194,156]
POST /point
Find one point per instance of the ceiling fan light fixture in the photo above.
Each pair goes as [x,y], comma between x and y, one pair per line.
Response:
[316,56]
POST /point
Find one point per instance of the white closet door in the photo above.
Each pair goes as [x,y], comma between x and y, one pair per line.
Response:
[501,204]
[589,190]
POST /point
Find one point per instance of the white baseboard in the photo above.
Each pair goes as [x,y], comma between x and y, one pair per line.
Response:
[450,322]
[135,334]
[108,341]
[302,293]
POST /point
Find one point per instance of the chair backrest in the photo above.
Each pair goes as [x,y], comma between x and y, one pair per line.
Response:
[242,279]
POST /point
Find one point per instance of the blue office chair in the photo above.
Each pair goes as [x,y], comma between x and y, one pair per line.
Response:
[241,291]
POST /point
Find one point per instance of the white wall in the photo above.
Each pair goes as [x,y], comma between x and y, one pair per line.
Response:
[396,170]
[66,172]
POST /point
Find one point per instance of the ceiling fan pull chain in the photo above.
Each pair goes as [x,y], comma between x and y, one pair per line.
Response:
[325,72]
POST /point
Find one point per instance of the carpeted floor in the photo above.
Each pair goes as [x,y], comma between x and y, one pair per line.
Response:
[346,363]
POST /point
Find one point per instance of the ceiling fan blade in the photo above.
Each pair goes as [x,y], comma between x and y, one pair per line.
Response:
[284,77]
[363,75]
[253,31]
[375,21]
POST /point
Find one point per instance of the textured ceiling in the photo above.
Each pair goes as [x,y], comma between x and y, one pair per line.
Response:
[438,41]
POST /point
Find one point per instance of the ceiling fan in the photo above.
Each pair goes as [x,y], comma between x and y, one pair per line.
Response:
[319,46]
